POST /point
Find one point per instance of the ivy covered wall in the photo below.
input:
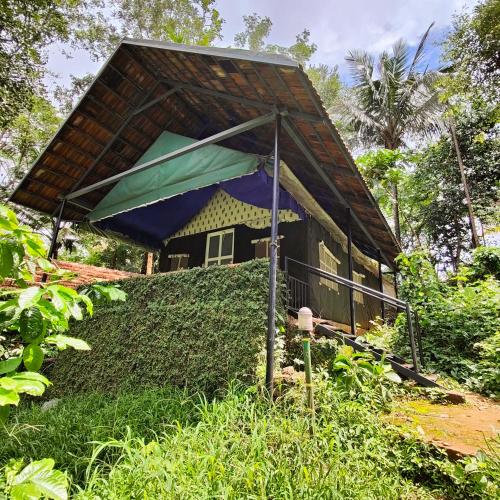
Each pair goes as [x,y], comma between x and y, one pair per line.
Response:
[198,328]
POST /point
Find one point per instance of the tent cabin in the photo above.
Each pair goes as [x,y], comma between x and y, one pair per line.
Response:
[213,156]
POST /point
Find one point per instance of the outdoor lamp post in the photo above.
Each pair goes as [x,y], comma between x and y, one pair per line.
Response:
[306,325]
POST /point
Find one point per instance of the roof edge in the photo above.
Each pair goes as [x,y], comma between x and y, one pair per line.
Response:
[233,53]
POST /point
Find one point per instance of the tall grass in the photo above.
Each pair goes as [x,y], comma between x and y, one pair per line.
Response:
[68,432]
[162,444]
[242,448]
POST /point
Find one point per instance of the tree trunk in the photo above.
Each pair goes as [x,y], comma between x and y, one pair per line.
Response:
[475,238]
[395,212]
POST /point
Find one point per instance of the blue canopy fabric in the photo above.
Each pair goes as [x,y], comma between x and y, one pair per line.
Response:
[150,225]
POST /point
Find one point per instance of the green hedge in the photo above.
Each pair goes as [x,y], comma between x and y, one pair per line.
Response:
[198,328]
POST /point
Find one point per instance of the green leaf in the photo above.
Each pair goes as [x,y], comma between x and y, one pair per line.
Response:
[10,365]
[76,311]
[45,265]
[63,341]
[6,259]
[41,475]
[33,357]
[29,297]
[31,376]
[31,324]
[31,387]
[4,413]
[88,303]
[8,397]
[393,377]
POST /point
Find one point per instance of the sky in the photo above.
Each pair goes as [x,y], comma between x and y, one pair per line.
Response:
[336,26]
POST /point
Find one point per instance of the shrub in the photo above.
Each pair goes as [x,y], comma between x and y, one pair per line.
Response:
[198,328]
[460,321]
[485,262]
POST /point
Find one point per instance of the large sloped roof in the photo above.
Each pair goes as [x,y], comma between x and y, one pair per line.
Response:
[147,87]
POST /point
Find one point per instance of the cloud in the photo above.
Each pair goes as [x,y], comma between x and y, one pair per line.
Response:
[338,26]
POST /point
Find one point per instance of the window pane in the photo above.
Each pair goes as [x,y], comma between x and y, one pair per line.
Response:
[212,263]
[213,246]
[226,261]
[227,244]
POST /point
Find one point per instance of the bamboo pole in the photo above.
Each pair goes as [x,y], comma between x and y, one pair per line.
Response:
[309,383]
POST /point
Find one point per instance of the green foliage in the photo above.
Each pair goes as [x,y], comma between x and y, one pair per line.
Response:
[201,328]
[162,443]
[68,432]
[27,28]
[327,83]
[436,190]
[485,262]
[32,318]
[258,28]
[105,252]
[358,376]
[28,133]
[460,322]
[195,22]
[393,99]
[38,479]
[472,49]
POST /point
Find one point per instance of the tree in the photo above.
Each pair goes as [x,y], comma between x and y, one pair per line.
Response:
[437,187]
[20,145]
[257,30]
[395,102]
[27,29]
[382,169]
[195,22]
[472,50]
[33,317]
[326,81]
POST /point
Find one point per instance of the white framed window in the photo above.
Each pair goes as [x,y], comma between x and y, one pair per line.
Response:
[358,278]
[329,263]
[263,247]
[178,261]
[220,248]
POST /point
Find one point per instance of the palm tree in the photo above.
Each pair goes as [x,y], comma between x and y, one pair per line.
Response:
[393,103]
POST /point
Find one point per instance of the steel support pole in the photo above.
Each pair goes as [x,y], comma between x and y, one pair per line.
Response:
[271,309]
[55,233]
[53,241]
[413,347]
[352,309]
[381,285]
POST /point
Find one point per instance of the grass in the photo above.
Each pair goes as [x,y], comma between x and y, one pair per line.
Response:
[162,443]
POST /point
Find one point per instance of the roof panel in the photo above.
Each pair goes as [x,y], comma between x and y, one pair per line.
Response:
[109,130]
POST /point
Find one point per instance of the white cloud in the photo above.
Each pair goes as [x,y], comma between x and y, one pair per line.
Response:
[336,26]
[340,25]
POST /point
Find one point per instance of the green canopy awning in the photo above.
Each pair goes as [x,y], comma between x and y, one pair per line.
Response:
[203,167]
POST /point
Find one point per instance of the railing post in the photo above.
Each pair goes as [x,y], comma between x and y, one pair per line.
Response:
[412,338]
[287,282]
[271,310]
[381,284]
[352,310]
[419,339]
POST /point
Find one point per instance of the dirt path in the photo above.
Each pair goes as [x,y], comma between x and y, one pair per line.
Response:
[461,429]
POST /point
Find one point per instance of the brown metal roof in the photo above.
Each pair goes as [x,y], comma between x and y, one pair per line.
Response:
[131,102]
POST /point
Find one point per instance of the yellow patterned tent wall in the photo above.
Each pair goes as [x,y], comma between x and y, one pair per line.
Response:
[223,210]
